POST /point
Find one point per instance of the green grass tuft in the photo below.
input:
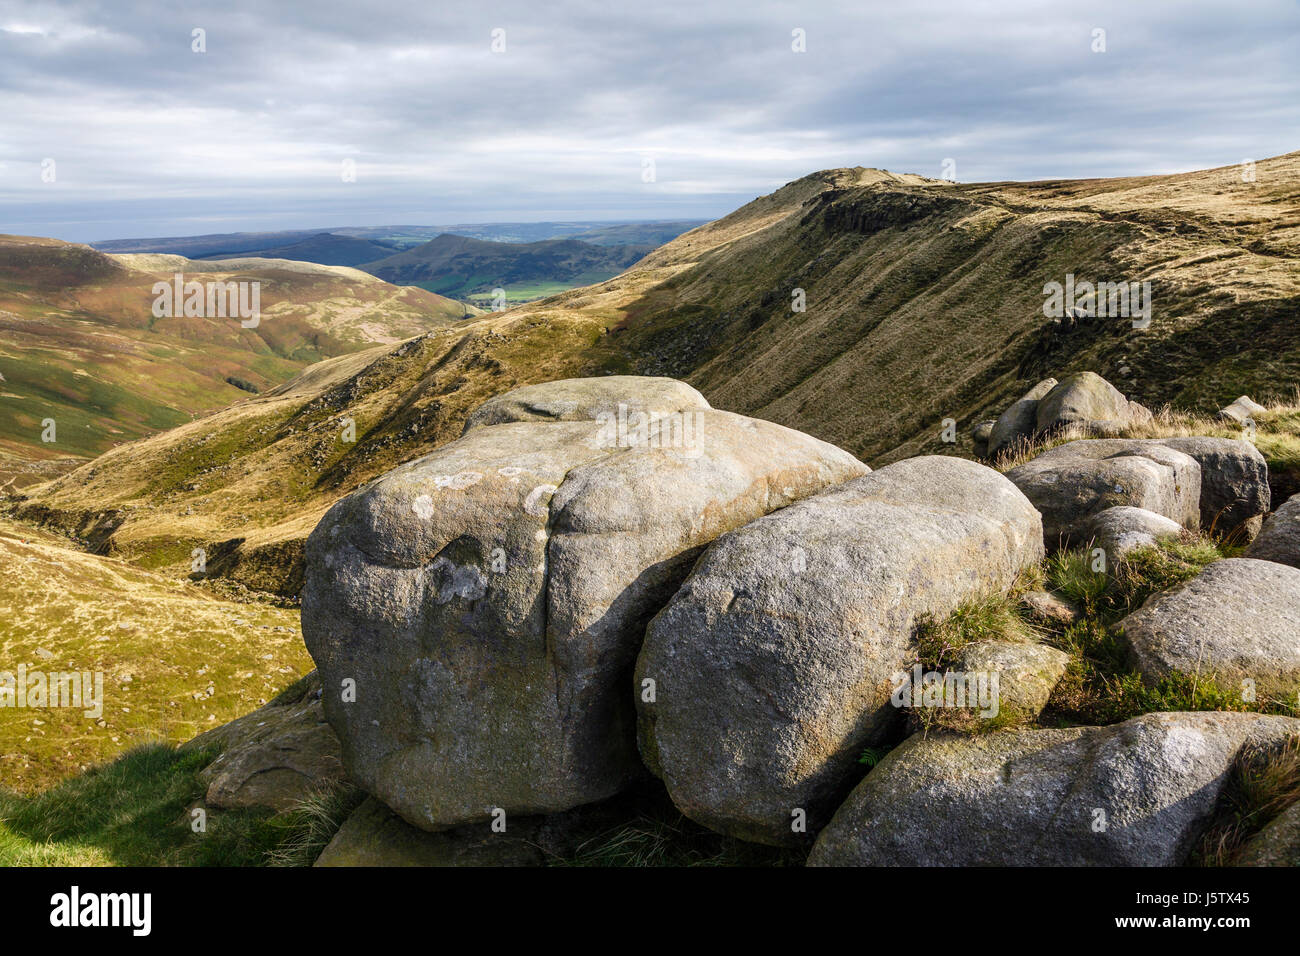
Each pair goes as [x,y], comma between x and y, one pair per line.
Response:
[1263,783]
[135,811]
[992,617]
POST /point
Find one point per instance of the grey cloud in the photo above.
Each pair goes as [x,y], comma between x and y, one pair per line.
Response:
[150,138]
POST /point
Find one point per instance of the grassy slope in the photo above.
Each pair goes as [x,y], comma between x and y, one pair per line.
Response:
[924,302]
[131,812]
[176,659]
[78,342]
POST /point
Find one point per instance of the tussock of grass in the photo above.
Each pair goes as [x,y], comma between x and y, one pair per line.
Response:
[1071,575]
[1024,449]
[939,645]
[666,838]
[1263,783]
[1150,570]
[313,824]
[994,617]
[136,811]
[1116,589]
[1100,686]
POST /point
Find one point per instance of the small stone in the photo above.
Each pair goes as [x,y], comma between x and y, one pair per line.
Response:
[1048,608]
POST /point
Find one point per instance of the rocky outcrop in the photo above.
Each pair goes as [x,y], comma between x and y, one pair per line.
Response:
[475,614]
[1085,403]
[1242,410]
[1119,530]
[1073,482]
[1086,400]
[1019,422]
[1280,538]
[1133,794]
[276,757]
[1237,620]
[768,672]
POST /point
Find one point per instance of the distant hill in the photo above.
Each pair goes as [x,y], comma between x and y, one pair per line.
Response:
[653,232]
[198,247]
[79,342]
[324,248]
[528,260]
[637,233]
[396,237]
[471,268]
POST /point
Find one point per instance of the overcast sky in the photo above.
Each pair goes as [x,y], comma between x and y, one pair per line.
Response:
[149,138]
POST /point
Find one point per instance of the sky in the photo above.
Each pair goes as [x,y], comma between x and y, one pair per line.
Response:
[115,124]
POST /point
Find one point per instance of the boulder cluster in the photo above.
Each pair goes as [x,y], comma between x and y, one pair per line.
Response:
[1084,402]
[605,581]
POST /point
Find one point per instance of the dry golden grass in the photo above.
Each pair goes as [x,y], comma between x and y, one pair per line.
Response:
[1276,434]
[175,659]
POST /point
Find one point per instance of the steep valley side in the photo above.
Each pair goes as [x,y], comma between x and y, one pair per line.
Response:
[924,303]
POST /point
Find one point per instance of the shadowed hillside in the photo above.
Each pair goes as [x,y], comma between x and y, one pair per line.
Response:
[923,302]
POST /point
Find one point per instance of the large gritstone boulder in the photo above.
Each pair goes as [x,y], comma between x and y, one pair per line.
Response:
[772,668]
[1117,531]
[1234,484]
[1238,620]
[1020,421]
[1073,482]
[1280,539]
[475,614]
[589,399]
[1086,400]
[1134,794]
